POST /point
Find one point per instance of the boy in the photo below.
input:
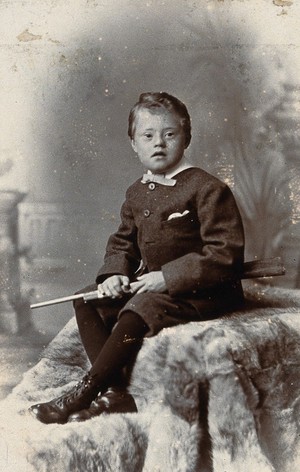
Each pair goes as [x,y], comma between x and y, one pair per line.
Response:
[176,257]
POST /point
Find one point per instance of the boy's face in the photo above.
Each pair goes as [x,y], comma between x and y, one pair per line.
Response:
[159,140]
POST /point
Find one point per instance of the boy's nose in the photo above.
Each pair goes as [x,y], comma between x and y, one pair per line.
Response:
[159,141]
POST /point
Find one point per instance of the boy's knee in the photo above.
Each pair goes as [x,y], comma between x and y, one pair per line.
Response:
[77,304]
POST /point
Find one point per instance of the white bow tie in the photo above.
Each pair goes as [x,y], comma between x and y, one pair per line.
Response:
[159,179]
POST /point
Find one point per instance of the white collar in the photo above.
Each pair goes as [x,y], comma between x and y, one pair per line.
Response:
[182,165]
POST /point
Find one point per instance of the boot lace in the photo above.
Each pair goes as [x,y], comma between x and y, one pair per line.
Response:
[75,392]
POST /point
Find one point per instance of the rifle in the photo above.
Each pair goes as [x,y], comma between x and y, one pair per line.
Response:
[251,270]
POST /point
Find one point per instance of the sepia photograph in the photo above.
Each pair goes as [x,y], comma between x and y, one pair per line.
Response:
[149,236]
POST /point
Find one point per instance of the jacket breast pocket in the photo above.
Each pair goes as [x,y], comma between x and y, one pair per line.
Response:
[185,222]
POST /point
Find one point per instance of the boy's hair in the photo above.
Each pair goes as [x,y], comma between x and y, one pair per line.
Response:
[161,100]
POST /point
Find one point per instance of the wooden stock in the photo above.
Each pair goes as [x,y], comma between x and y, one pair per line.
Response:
[263,268]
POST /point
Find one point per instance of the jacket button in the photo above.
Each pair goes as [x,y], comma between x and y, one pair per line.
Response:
[151,186]
[146,213]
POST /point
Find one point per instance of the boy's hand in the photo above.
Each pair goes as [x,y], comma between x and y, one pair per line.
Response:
[115,286]
[151,282]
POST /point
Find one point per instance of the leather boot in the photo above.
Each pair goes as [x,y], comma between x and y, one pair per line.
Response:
[59,409]
[113,400]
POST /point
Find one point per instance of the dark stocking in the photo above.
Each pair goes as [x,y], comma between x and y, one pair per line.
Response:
[120,348]
[93,332]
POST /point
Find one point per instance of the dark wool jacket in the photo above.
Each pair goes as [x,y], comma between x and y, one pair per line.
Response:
[201,249]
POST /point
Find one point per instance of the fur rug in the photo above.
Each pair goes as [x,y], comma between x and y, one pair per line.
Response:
[217,396]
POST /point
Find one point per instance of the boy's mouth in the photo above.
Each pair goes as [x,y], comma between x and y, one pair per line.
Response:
[159,153]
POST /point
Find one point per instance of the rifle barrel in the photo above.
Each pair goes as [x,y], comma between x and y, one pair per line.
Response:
[86,296]
[57,300]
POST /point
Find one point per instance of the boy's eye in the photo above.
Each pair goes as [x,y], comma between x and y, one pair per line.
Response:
[170,134]
[148,135]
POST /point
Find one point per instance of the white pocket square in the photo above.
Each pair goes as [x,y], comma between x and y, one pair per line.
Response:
[177,215]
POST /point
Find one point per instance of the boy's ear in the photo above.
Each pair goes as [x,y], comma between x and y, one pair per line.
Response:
[133,145]
[187,143]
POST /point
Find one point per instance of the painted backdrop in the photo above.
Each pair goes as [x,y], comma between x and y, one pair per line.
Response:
[71,70]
